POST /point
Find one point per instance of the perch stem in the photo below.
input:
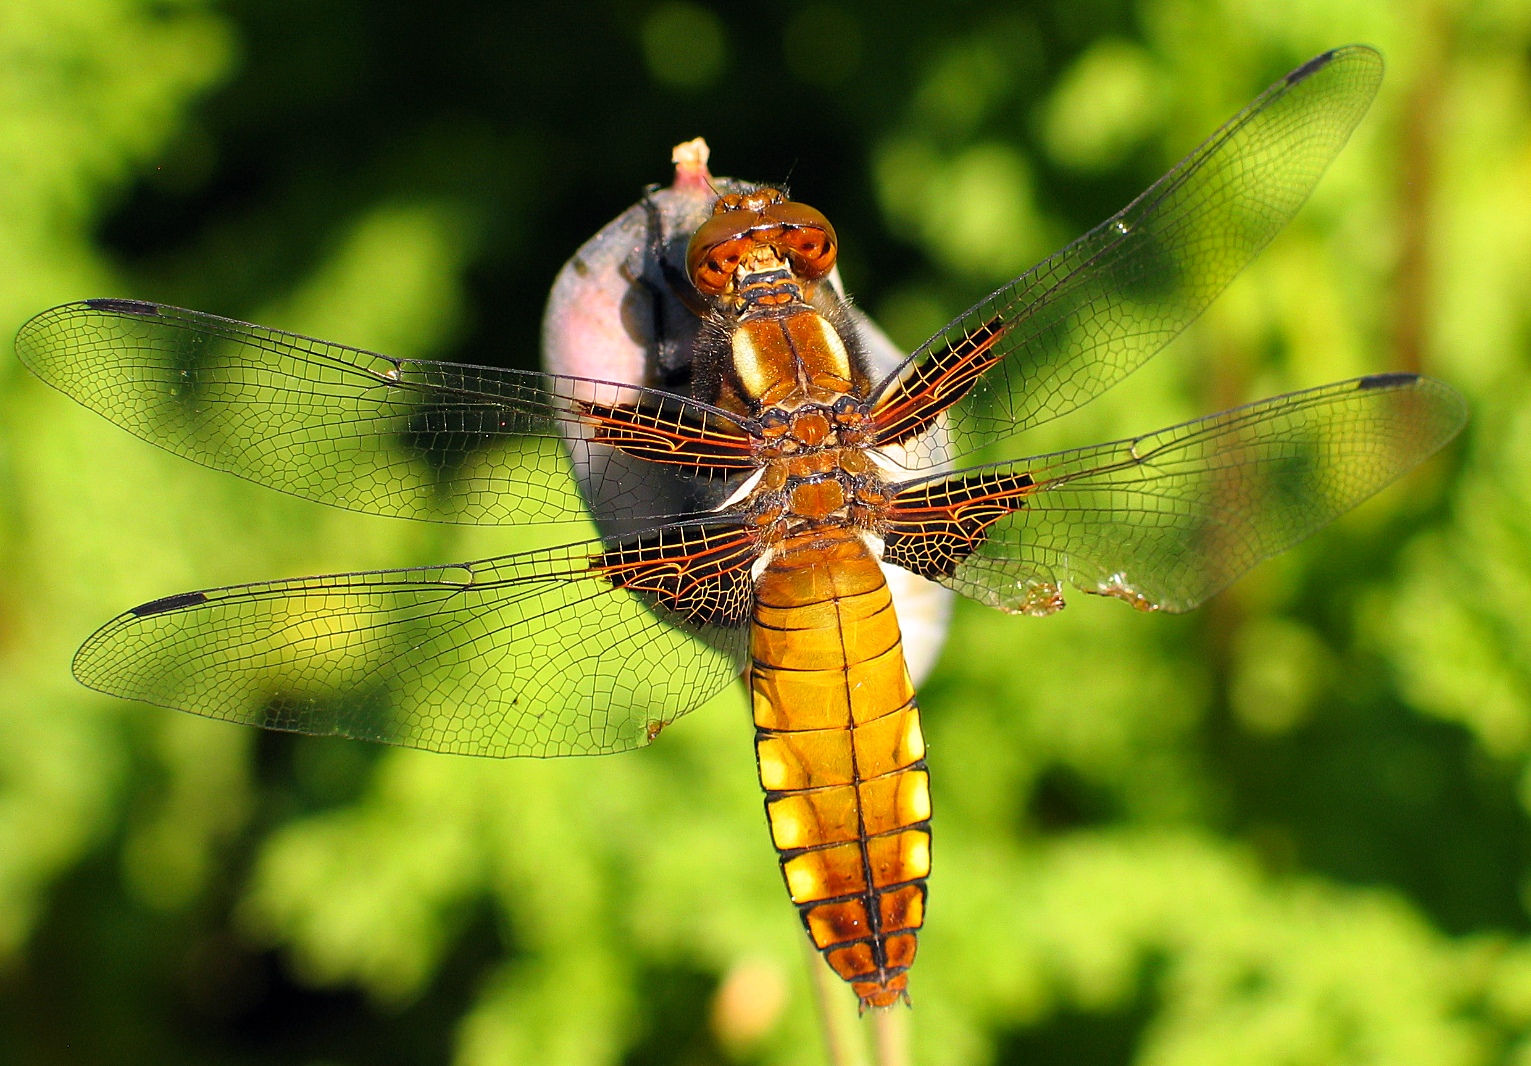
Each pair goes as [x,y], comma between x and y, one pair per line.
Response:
[890,1035]
[841,1046]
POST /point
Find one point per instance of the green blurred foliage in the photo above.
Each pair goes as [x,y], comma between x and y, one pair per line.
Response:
[1289,829]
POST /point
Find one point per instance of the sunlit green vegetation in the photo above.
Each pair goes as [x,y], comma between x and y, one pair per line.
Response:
[1291,828]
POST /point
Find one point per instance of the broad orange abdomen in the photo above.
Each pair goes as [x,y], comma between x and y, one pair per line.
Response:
[841,757]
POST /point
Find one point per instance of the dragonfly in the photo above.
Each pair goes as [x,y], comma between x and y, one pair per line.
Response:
[747,516]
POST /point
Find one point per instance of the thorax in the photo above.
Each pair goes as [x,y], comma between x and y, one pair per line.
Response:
[816,473]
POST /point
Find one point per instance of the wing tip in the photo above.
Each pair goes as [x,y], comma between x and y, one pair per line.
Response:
[1451,408]
[1324,59]
[31,337]
[1311,67]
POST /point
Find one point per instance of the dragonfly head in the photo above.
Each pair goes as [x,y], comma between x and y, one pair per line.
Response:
[759,240]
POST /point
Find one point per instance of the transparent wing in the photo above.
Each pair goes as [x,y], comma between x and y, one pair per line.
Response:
[1166,520]
[578,650]
[1085,318]
[395,437]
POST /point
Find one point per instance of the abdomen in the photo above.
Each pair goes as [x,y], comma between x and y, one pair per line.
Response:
[841,758]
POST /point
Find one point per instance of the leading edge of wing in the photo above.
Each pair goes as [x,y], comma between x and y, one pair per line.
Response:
[366,432]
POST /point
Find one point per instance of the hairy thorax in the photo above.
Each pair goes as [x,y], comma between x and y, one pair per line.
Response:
[816,472]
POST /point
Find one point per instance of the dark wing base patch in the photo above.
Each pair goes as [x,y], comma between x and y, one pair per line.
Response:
[700,572]
[671,433]
[907,406]
[935,525]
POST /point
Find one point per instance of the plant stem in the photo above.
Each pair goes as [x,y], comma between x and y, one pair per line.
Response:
[842,1044]
[890,1035]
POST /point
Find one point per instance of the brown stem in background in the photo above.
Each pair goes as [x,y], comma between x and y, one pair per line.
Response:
[832,997]
[1419,136]
[890,1035]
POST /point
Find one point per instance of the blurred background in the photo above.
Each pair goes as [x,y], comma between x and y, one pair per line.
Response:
[1291,828]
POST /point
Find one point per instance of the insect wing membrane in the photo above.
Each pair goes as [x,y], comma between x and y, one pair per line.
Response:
[542,653]
[395,437]
[1166,520]
[1083,319]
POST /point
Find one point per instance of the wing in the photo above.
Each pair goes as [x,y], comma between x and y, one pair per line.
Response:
[578,650]
[1085,318]
[1166,520]
[396,437]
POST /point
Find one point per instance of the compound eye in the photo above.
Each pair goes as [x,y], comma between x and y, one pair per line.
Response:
[807,238]
[717,266]
[716,248]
